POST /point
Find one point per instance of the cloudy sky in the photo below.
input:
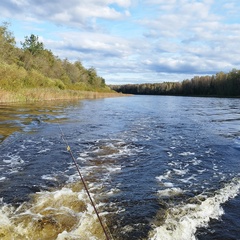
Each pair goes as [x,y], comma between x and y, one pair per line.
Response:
[134,41]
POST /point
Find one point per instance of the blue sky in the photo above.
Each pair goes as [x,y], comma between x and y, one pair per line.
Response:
[134,41]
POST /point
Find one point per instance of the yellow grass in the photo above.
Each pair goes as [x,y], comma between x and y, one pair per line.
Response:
[42,94]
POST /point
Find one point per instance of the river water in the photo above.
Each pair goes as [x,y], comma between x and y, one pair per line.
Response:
[157,167]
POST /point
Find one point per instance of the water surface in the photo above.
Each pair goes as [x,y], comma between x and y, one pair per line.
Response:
[157,168]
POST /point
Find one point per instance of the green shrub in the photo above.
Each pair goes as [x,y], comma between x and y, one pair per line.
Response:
[12,76]
[59,84]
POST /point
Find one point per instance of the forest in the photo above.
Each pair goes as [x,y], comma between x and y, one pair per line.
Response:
[32,66]
[221,84]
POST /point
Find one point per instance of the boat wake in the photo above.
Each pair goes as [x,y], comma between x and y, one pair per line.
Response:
[181,221]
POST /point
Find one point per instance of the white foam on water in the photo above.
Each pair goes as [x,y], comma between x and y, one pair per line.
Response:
[100,161]
[13,160]
[113,191]
[201,171]
[169,154]
[215,167]
[44,150]
[2,178]
[61,214]
[164,177]
[209,151]
[168,184]
[11,163]
[48,177]
[180,172]
[7,161]
[188,180]
[186,153]
[196,161]
[84,154]
[4,219]
[115,168]
[169,192]
[182,221]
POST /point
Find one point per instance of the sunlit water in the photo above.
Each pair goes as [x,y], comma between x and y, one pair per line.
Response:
[156,167]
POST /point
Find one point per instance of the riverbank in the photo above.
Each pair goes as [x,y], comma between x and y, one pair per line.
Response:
[48,94]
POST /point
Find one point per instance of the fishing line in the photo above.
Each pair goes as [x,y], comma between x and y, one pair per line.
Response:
[84,183]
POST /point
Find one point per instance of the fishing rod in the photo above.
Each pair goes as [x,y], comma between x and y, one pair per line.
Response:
[84,183]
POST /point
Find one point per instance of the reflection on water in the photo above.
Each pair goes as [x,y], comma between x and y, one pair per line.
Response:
[28,116]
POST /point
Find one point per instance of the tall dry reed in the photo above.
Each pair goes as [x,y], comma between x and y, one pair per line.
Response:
[43,94]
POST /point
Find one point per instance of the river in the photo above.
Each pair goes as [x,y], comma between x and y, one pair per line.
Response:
[157,167]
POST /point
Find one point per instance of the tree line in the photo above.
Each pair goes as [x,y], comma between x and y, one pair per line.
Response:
[221,84]
[32,65]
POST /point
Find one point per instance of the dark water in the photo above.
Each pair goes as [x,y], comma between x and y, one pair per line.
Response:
[157,167]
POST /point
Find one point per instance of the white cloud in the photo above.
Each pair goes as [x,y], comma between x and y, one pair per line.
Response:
[231,8]
[188,37]
[95,43]
[133,39]
[72,12]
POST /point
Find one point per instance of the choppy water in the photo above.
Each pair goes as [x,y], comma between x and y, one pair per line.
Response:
[157,168]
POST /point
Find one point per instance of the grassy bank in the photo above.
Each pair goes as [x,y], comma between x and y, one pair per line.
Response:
[34,73]
[44,94]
